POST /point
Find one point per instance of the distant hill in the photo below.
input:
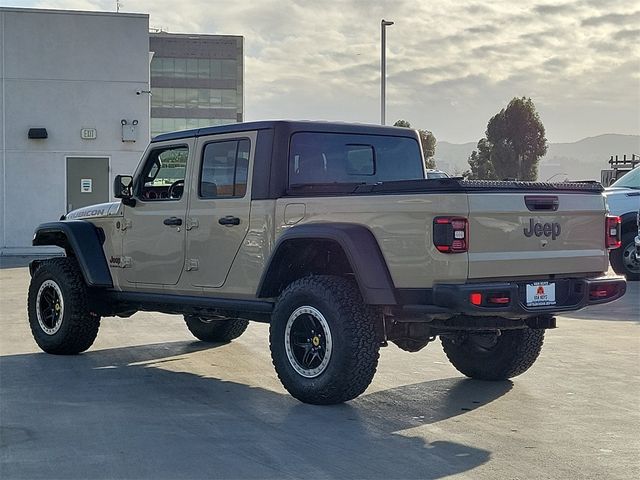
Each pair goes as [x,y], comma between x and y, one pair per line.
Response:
[581,160]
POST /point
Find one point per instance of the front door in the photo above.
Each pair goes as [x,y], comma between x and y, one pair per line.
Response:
[154,237]
[87,181]
[218,217]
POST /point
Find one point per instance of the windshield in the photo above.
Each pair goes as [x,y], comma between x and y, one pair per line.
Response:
[629,180]
[431,175]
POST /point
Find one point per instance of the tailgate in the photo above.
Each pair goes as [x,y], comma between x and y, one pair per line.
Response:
[521,235]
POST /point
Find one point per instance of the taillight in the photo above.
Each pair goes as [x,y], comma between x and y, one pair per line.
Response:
[499,299]
[451,234]
[490,299]
[612,232]
[603,291]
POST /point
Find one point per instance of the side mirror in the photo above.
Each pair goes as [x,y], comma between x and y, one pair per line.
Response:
[123,188]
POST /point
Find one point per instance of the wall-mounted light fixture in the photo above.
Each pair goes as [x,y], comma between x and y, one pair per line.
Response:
[38,133]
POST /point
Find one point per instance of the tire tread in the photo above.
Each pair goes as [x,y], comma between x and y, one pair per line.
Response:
[216,330]
[80,327]
[517,352]
[362,357]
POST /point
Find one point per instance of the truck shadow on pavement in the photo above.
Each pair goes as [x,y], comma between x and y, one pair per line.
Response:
[123,413]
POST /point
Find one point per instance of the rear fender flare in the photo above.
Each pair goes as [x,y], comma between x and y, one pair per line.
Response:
[361,250]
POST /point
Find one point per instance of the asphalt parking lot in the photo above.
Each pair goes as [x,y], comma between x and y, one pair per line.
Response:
[148,401]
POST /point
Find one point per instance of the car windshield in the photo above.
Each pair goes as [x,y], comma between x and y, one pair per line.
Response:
[431,175]
[629,180]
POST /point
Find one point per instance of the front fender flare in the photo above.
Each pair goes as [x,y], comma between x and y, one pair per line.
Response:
[82,240]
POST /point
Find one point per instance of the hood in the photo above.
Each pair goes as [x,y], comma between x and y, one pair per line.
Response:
[622,200]
[98,210]
[619,190]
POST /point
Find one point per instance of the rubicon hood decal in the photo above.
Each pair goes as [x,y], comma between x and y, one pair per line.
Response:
[98,210]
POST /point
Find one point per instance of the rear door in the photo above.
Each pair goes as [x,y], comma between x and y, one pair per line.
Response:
[524,235]
[218,215]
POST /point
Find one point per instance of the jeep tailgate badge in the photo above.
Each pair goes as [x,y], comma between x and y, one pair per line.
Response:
[538,229]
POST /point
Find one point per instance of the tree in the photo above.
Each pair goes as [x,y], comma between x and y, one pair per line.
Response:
[480,163]
[402,123]
[428,141]
[515,141]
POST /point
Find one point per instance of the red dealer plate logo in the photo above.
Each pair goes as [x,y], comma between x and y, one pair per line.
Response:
[541,294]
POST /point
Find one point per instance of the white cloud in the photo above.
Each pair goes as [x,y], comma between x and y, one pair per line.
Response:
[451,65]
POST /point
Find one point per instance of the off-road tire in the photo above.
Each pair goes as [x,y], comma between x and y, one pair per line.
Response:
[514,352]
[78,326]
[354,355]
[215,331]
[618,263]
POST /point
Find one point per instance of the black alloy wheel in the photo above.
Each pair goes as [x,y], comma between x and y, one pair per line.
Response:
[308,341]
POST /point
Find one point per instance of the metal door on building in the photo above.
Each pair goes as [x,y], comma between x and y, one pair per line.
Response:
[87,181]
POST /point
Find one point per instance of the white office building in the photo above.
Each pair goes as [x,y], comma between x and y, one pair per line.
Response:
[74,112]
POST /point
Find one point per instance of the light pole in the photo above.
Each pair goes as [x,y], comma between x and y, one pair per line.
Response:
[383,70]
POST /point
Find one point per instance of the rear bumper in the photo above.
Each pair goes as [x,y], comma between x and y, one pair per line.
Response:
[571,294]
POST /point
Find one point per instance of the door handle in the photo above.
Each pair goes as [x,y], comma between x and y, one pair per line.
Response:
[173,221]
[229,221]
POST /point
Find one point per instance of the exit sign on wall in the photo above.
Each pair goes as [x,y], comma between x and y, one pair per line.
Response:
[88,133]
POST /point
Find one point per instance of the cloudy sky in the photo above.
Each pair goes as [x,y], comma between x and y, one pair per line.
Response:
[451,64]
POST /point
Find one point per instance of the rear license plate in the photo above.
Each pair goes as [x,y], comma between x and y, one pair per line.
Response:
[540,294]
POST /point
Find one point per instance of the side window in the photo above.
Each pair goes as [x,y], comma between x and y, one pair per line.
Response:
[225,168]
[164,173]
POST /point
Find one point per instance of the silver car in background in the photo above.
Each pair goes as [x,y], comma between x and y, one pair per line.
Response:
[637,239]
[434,173]
[623,200]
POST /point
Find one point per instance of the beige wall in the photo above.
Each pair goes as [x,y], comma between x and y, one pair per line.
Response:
[64,71]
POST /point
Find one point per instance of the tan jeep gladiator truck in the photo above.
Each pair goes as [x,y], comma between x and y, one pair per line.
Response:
[333,235]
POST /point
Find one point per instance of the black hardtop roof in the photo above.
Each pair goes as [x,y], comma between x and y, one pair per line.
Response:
[290,126]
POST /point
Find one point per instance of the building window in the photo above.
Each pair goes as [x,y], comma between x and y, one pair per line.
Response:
[180,70]
[229,69]
[204,68]
[164,125]
[181,99]
[194,98]
[192,68]
[216,69]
